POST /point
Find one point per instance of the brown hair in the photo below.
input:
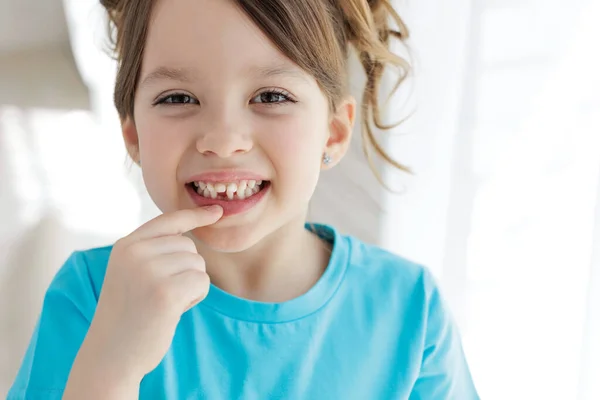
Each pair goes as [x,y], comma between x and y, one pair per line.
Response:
[315,34]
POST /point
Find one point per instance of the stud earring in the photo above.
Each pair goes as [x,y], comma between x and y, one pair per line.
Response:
[327,159]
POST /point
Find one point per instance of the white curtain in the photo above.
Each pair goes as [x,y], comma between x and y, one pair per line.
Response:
[504,207]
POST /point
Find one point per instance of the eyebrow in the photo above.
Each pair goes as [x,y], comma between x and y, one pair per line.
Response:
[185,75]
[167,73]
[278,70]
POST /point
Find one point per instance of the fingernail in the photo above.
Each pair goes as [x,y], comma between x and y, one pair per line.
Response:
[213,208]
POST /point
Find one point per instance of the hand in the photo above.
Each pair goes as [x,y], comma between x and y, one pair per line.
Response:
[154,275]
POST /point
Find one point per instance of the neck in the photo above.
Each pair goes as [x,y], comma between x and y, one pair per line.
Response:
[282,266]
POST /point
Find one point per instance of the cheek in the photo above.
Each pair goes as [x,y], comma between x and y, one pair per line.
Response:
[295,148]
[155,131]
[160,150]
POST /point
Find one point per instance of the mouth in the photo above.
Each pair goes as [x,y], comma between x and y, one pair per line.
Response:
[234,197]
[228,191]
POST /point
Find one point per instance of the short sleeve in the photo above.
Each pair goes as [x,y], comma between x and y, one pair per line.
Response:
[444,373]
[67,311]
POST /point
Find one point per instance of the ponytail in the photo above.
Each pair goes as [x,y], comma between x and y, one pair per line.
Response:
[368,31]
[114,10]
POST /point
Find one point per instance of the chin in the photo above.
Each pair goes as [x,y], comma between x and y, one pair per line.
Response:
[228,239]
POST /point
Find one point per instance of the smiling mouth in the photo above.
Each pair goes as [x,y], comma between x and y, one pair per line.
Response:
[229,191]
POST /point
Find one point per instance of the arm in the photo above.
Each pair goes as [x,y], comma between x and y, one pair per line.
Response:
[149,279]
[68,308]
[94,378]
[444,371]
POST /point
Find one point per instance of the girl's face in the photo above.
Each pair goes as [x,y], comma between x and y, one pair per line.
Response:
[217,104]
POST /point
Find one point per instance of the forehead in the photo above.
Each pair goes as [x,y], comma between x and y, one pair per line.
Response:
[209,35]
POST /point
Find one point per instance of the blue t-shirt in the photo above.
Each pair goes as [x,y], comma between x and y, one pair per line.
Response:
[374,327]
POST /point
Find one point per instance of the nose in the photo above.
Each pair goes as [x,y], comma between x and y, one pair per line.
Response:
[223,137]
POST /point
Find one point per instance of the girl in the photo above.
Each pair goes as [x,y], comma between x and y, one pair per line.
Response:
[232,108]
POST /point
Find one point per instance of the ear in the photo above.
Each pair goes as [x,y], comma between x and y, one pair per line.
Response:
[340,131]
[130,136]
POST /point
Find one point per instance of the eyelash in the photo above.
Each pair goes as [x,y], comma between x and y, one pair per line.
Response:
[168,99]
[287,98]
[164,100]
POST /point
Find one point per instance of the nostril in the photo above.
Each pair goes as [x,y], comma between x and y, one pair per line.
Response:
[223,144]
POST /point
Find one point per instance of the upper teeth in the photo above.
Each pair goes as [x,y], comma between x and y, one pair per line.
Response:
[240,190]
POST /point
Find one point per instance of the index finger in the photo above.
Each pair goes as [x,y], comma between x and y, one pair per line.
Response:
[178,222]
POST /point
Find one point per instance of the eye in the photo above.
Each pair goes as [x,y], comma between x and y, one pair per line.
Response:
[177,98]
[273,97]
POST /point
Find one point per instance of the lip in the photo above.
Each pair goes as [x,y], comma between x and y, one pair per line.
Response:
[230,207]
[226,176]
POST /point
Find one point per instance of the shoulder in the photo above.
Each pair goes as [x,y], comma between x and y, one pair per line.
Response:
[68,308]
[391,287]
[373,264]
[83,270]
